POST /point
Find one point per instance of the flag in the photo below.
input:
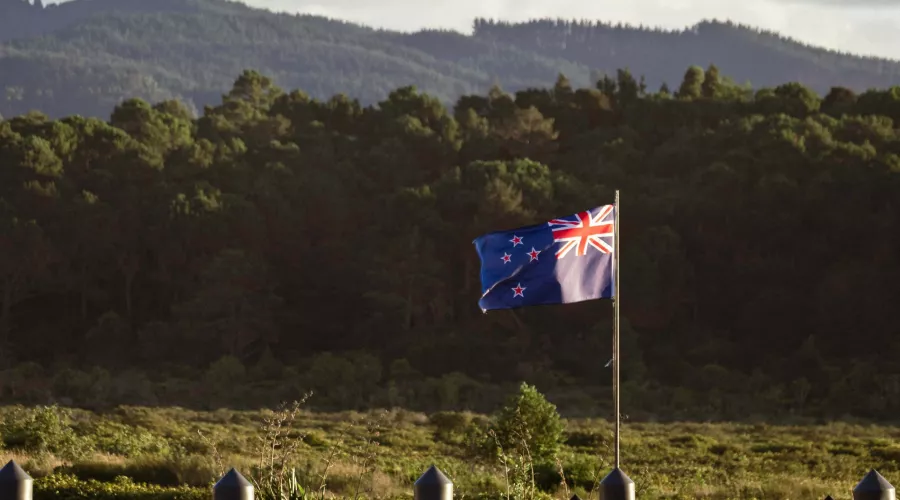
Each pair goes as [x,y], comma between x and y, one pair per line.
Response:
[564,260]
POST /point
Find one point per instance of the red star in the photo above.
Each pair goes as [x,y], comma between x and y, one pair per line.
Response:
[533,254]
[516,241]
[506,257]
[518,291]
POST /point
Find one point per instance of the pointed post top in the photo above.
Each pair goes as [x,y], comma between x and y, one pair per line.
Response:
[11,472]
[233,479]
[829,498]
[617,486]
[433,485]
[873,482]
[575,497]
[15,483]
[433,477]
[617,478]
[874,487]
[233,486]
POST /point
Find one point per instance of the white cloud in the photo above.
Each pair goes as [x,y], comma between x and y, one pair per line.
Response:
[859,26]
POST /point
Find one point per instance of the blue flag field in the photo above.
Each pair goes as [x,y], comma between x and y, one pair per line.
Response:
[564,260]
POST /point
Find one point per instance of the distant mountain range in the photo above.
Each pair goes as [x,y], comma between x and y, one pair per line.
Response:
[84,56]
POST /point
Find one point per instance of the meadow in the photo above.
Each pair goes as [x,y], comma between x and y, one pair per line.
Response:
[177,454]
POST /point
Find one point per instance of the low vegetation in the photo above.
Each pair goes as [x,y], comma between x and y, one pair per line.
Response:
[523,451]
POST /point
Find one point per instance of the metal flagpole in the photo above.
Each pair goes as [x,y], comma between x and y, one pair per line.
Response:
[616,295]
[616,485]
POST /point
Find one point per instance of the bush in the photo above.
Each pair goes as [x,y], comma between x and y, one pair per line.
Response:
[529,419]
[588,439]
[191,470]
[124,440]
[477,439]
[450,426]
[316,439]
[67,487]
[157,473]
[580,471]
[42,430]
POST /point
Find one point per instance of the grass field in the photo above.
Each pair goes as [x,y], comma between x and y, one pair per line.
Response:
[381,453]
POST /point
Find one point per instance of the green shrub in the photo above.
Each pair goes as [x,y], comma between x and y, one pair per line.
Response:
[546,476]
[845,450]
[124,440]
[775,448]
[315,439]
[449,426]
[691,441]
[580,471]
[41,430]
[157,472]
[195,470]
[478,441]
[589,439]
[723,449]
[528,419]
[891,453]
[191,470]
[68,487]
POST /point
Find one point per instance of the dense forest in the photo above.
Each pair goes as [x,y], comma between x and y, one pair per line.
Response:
[280,243]
[86,56]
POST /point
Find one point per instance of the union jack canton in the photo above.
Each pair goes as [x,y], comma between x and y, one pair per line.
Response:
[565,260]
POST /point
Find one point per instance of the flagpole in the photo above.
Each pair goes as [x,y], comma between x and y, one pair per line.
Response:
[616,304]
[616,485]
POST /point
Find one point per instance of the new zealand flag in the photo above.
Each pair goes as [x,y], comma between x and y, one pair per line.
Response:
[561,261]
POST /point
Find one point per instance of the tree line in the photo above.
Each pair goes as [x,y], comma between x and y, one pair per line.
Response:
[278,243]
[85,57]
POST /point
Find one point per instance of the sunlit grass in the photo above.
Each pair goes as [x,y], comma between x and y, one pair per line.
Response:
[170,446]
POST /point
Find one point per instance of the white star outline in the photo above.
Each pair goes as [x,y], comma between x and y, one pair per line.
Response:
[518,291]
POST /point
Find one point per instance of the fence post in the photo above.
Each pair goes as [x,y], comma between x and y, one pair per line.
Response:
[874,487]
[15,483]
[233,486]
[828,498]
[617,486]
[433,485]
[575,497]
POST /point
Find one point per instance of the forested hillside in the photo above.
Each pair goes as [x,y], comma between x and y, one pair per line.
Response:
[280,243]
[85,56]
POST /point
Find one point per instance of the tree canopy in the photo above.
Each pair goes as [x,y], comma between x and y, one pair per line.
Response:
[278,243]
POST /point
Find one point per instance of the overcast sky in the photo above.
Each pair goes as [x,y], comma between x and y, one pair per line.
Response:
[859,26]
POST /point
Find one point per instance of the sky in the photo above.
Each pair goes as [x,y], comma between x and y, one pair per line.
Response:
[870,27]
